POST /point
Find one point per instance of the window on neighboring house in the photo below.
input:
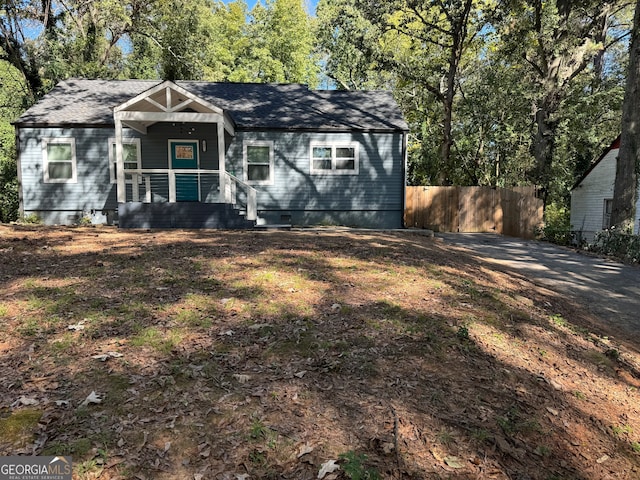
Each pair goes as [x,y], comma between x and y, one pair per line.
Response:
[606,213]
[258,163]
[335,159]
[59,160]
[130,156]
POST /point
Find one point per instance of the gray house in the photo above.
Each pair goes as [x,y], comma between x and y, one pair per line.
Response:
[211,155]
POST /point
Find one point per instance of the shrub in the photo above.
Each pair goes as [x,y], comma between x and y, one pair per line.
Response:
[557,225]
[617,243]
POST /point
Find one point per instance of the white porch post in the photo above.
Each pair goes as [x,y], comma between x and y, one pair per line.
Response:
[221,164]
[121,185]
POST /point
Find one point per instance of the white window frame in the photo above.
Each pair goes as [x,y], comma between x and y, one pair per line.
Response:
[334,147]
[112,158]
[245,161]
[45,160]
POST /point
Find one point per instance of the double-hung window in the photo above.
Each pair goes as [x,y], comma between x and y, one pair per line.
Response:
[339,159]
[130,156]
[258,162]
[59,160]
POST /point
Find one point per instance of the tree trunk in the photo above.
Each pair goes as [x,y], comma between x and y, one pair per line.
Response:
[544,143]
[626,185]
[447,139]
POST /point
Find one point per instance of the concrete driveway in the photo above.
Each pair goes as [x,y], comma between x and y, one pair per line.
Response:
[608,289]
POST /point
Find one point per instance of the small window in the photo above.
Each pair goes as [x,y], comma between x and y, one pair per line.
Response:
[130,156]
[334,159]
[258,163]
[59,160]
[606,214]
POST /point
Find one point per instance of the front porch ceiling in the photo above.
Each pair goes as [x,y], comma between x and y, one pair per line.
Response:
[168,102]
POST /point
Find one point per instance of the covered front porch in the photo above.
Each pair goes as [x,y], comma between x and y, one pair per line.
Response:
[174,174]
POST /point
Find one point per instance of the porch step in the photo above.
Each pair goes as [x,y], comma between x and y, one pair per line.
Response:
[190,215]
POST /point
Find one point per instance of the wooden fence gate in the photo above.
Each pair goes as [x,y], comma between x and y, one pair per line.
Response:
[516,212]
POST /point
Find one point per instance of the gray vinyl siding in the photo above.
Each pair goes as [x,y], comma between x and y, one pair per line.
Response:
[65,202]
[155,144]
[373,198]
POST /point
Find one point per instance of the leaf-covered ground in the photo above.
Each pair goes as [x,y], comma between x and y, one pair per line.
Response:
[251,355]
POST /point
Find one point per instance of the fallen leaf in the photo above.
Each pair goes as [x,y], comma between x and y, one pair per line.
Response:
[61,403]
[243,476]
[552,411]
[103,357]
[453,462]
[304,450]
[93,397]
[300,374]
[258,326]
[26,401]
[328,467]
[603,459]
[241,378]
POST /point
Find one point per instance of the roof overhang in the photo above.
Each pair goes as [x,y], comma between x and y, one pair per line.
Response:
[168,102]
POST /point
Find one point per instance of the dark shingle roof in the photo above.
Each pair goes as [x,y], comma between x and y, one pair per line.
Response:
[251,105]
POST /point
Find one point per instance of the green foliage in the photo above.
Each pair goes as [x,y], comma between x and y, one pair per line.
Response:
[463,333]
[13,98]
[557,225]
[19,427]
[617,243]
[282,40]
[31,219]
[354,466]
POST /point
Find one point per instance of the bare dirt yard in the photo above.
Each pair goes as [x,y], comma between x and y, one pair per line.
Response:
[302,355]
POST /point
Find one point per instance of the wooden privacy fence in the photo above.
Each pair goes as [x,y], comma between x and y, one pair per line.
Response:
[515,212]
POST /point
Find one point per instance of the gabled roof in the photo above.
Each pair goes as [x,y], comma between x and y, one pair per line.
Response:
[614,145]
[251,105]
[168,102]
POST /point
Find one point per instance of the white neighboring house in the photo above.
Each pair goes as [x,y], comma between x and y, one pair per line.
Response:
[592,197]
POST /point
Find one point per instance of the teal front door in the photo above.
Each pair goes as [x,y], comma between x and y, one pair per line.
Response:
[184,155]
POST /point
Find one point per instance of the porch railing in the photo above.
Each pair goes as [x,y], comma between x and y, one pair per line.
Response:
[201,185]
[237,191]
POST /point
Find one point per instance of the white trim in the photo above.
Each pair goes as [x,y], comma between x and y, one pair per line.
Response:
[113,177]
[128,116]
[73,160]
[169,87]
[245,161]
[333,147]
